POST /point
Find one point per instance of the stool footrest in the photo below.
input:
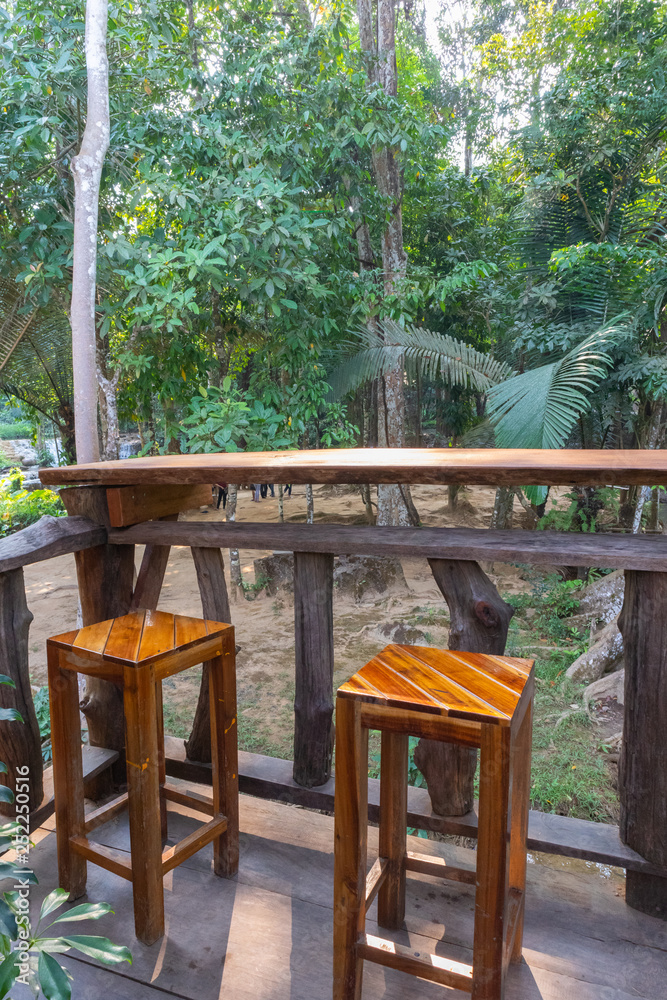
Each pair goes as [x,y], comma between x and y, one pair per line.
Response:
[426,865]
[201,803]
[374,880]
[98,817]
[457,975]
[203,835]
[118,862]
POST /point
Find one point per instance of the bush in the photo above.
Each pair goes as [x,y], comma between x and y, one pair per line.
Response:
[19,507]
[21,429]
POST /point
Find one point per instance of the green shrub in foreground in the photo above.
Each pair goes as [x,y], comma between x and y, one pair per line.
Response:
[20,507]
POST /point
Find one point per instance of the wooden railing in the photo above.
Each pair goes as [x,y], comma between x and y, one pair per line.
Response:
[105,563]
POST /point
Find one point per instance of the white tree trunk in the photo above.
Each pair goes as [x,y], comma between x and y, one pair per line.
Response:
[235,570]
[87,171]
[310,505]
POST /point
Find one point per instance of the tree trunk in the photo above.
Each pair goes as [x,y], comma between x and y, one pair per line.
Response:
[19,743]
[215,606]
[87,171]
[281,503]
[643,763]
[479,622]
[109,415]
[394,505]
[310,505]
[502,508]
[234,558]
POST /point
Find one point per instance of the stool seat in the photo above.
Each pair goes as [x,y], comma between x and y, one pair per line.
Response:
[472,686]
[140,638]
[473,700]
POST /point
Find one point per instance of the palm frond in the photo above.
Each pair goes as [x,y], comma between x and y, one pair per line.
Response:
[539,408]
[432,353]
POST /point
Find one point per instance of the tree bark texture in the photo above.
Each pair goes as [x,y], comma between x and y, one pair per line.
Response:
[643,763]
[105,575]
[87,172]
[235,571]
[215,606]
[314,664]
[479,620]
[19,742]
[395,506]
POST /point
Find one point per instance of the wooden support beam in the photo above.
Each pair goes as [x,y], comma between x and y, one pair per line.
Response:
[643,764]
[47,538]
[131,504]
[215,606]
[438,867]
[375,879]
[20,745]
[151,574]
[566,836]
[203,835]
[105,575]
[314,656]
[554,548]
[118,862]
[479,623]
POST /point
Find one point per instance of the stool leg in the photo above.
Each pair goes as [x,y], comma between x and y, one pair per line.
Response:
[521,750]
[162,765]
[224,754]
[143,781]
[350,849]
[393,827]
[67,772]
[492,863]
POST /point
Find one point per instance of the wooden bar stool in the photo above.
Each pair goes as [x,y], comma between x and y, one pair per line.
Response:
[137,652]
[466,698]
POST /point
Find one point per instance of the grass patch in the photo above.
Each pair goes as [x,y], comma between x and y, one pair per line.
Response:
[20,429]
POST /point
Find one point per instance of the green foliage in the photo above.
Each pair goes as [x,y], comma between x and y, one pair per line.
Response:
[43,713]
[20,507]
[20,429]
[27,953]
[586,510]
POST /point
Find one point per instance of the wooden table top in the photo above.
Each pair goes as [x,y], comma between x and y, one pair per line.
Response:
[426,466]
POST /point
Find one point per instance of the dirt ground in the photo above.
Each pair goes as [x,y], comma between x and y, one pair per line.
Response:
[264,625]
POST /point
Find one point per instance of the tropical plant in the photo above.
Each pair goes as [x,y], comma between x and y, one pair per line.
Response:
[27,955]
[20,507]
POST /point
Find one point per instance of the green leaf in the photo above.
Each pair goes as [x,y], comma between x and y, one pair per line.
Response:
[10,715]
[7,921]
[54,899]
[53,979]
[269,288]
[9,970]
[4,679]
[3,767]
[100,948]
[539,408]
[6,794]
[85,911]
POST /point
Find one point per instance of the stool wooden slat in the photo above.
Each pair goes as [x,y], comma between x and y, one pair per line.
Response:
[468,698]
[138,651]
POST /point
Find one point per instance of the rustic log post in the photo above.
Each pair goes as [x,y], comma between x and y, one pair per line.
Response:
[479,620]
[215,606]
[151,574]
[314,662]
[643,763]
[19,743]
[105,575]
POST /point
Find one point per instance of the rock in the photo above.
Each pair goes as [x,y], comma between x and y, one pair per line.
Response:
[605,655]
[277,570]
[609,686]
[400,633]
[360,575]
[603,600]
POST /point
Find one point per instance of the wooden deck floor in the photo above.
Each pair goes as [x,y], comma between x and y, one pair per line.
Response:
[267,934]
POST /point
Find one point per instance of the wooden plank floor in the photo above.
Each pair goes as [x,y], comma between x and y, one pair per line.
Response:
[267,934]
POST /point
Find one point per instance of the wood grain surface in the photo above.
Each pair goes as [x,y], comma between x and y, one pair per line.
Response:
[557,548]
[478,466]
[472,686]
